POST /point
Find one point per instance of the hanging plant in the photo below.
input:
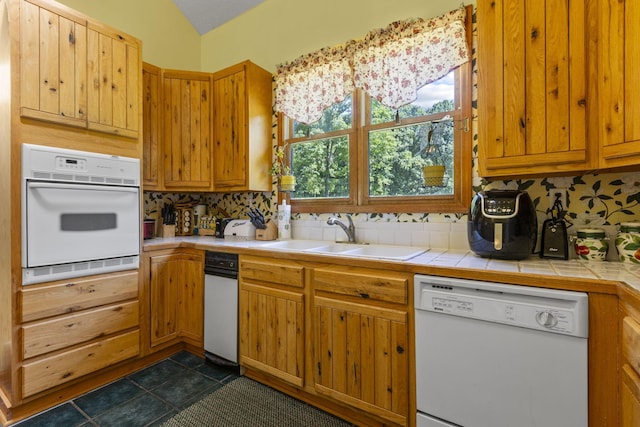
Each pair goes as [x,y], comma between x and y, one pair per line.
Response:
[434,172]
[281,170]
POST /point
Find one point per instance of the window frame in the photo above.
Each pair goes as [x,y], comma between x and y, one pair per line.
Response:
[359,200]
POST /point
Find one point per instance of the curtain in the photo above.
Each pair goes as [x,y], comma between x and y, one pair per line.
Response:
[313,82]
[390,64]
[398,60]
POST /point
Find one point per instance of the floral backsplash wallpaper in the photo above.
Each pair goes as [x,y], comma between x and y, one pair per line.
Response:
[592,200]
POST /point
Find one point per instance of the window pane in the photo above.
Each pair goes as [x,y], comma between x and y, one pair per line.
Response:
[321,168]
[436,97]
[336,117]
[397,155]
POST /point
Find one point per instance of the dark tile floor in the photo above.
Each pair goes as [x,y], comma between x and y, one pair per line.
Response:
[145,398]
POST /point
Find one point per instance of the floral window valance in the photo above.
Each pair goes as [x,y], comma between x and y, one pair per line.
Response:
[390,64]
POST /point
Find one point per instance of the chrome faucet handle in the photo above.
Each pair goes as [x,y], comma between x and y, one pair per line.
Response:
[352,226]
[350,220]
[350,230]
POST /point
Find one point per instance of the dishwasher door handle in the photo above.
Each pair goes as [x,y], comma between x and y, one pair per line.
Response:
[229,274]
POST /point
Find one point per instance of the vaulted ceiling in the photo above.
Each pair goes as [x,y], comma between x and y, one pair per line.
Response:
[205,15]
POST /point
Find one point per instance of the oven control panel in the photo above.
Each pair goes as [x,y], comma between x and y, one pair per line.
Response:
[71,164]
[63,165]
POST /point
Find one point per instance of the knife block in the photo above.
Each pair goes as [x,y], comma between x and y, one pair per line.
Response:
[269,233]
[168,230]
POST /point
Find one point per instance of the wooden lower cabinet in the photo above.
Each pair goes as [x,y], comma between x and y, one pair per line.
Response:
[361,356]
[630,372]
[60,332]
[338,334]
[361,338]
[60,368]
[271,309]
[72,328]
[272,338]
[176,297]
[630,393]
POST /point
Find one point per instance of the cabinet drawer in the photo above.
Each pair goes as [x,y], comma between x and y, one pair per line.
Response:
[631,342]
[68,296]
[58,369]
[364,283]
[65,331]
[271,270]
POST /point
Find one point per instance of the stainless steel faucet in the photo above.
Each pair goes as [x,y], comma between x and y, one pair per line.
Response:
[350,230]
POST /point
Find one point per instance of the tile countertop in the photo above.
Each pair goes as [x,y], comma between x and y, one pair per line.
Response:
[455,259]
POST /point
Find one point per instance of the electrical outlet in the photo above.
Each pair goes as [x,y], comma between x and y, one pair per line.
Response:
[554,193]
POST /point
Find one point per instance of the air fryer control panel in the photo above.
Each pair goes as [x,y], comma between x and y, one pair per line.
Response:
[499,206]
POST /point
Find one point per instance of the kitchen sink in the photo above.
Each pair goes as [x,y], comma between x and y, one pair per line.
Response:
[384,251]
[400,253]
[334,248]
[294,245]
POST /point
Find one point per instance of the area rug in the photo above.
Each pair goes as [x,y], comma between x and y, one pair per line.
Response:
[244,402]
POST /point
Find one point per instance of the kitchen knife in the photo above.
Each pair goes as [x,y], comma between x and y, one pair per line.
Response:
[260,215]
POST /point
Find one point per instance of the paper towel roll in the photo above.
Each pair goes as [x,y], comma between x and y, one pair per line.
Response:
[284,221]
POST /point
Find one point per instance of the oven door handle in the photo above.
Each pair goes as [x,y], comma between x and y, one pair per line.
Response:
[98,187]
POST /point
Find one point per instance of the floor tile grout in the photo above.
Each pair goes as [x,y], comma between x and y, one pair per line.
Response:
[197,376]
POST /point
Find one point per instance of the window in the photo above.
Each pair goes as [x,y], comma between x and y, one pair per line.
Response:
[362,156]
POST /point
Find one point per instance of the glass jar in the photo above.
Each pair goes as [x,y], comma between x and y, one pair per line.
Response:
[591,244]
[628,242]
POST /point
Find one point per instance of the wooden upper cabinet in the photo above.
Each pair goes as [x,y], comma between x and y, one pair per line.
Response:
[151,124]
[186,100]
[53,49]
[242,114]
[618,82]
[533,87]
[78,72]
[114,73]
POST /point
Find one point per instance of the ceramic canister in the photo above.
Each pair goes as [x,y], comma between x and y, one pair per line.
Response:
[628,242]
[591,244]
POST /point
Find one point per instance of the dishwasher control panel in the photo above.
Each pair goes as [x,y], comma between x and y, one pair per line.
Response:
[548,310]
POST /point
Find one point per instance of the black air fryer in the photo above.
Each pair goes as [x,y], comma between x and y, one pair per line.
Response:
[502,224]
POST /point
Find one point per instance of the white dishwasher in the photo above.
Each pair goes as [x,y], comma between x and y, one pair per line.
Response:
[498,355]
[221,309]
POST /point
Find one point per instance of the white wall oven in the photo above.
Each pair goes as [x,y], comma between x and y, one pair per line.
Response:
[80,213]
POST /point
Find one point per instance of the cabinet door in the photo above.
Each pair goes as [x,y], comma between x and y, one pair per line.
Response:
[272,317]
[163,293]
[151,122]
[361,356]
[176,291]
[53,79]
[618,82]
[532,87]
[186,98]
[272,331]
[230,124]
[114,73]
[191,298]
[242,109]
